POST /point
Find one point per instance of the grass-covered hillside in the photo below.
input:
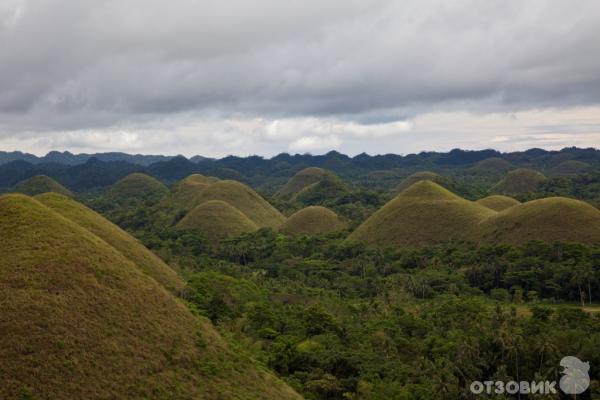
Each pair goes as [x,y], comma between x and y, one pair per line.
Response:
[186,194]
[520,181]
[551,219]
[126,244]
[245,199]
[312,220]
[494,165]
[41,184]
[80,321]
[301,180]
[423,214]
[421,176]
[216,220]
[136,186]
[498,202]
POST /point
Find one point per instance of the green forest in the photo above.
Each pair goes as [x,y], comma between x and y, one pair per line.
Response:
[340,290]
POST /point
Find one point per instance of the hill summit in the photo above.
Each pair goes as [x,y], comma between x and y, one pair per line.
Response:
[217,220]
[423,214]
[418,177]
[41,184]
[550,219]
[186,194]
[242,197]
[301,180]
[312,220]
[498,202]
[136,186]
[519,181]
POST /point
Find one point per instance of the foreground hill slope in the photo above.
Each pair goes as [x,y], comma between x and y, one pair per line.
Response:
[126,244]
[550,219]
[312,220]
[217,220]
[80,321]
[423,214]
[242,197]
[498,202]
[519,181]
[41,184]
[136,186]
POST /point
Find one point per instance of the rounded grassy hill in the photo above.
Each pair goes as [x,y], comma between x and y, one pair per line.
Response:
[197,178]
[519,181]
[550,219]
[240,196]
[136,186]
[186,194]
[80,321]
[571,167]
[301,180]
[312,220]
[494,164]
[498,202]
[217,220]
[126,244]
[423,214]
[41,184]
[328,188]
[418,177]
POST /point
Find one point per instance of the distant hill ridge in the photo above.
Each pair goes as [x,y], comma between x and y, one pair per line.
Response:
[86,171]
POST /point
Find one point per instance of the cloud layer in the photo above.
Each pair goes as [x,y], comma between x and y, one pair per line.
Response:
[268,76]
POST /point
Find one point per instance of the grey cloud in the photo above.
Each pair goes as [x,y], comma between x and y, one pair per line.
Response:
[88,64]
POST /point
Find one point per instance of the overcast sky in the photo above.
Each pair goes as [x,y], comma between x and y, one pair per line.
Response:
[263,77]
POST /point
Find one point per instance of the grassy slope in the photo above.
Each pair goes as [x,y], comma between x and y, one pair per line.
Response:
[571,167]
[518,181]
[312,221]
[494,164]
[41,184]
[498,202]
[136,185]
[418,177]
[184,196]
[424,214]
[244,199]
[80,321]
[302,179]
[198,178]
[115,236]
[550,219]
[217,220]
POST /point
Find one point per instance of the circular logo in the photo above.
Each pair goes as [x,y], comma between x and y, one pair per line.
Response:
[575,378]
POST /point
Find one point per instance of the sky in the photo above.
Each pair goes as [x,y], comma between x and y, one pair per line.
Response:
[244,77]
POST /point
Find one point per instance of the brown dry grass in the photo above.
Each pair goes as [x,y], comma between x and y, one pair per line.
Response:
[519,181]
[423,214]
[312,220]
[301,180]
[498,202]
[81,321]
[130,247]
[217,220]
[244,199]
[135,185]
[41,184]
[551,219]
